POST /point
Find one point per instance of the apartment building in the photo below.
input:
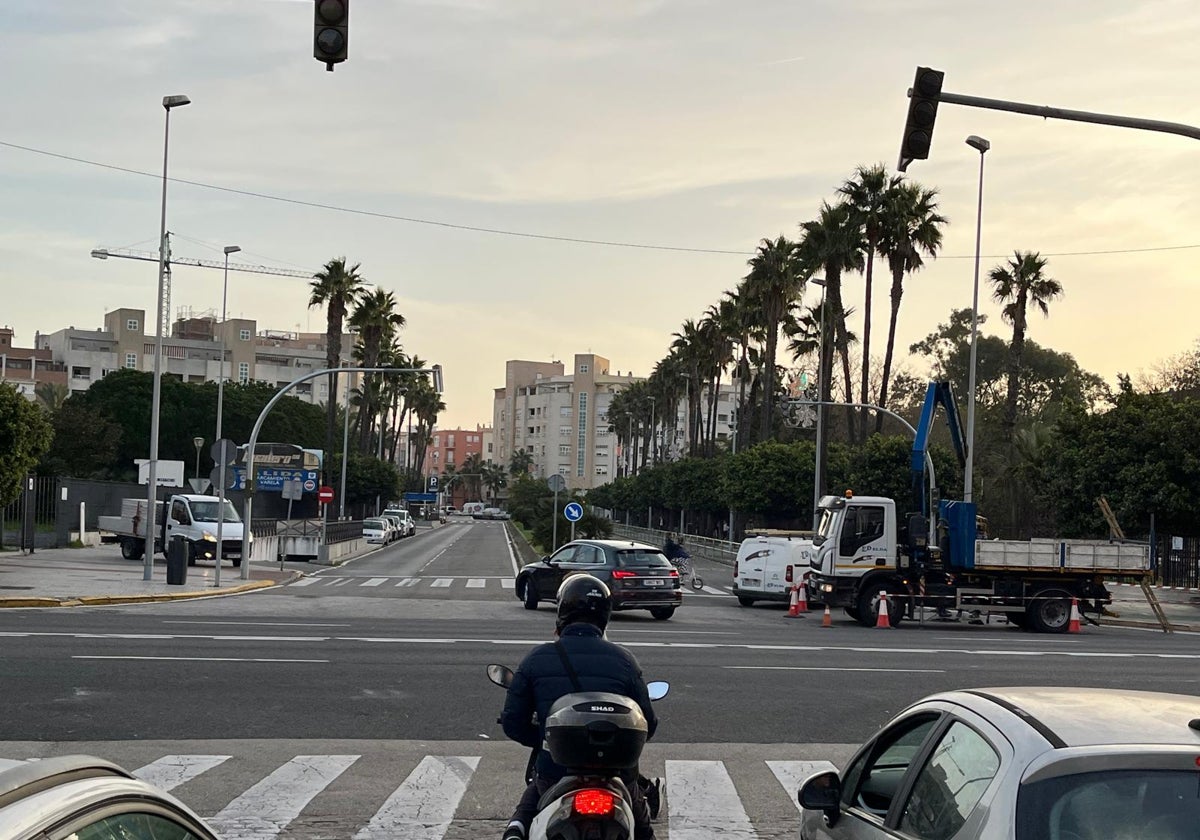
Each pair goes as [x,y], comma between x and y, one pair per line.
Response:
[192,352]
[27,367]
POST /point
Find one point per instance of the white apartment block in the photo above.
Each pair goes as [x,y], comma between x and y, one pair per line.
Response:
[192,353]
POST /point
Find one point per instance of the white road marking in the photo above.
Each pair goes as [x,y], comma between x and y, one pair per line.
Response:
[171,771]
[343,581]
[830,668]
[374,582]
[409,582]
[442,582]
[423,806]
[512,556]
[712,590]
[702,802]
[267,808]
[199,659]
[508,583]
[258,623]
[308,581]
[791,774]
[476,583]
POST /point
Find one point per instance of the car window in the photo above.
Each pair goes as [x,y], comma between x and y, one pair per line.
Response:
[873,781]
[133,827]
[179,512]
[950,785]
[564,555]
[1142,803]
[642,558]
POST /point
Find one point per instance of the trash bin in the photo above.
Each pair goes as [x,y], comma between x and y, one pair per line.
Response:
[177,557]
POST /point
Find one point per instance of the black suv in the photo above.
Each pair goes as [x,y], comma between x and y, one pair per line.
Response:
[638,575]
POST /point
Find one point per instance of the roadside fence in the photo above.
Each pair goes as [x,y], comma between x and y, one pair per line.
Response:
[700,548]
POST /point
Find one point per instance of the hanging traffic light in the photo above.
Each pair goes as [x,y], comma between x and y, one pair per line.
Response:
[331,31]
[922,111]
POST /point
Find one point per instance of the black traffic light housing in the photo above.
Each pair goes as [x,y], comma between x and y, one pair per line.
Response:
[331,35]
[922,111]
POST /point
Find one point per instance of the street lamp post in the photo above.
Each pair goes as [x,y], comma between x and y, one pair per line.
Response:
[345,455]
[168,102]
[228,249]
[197,442]
[982,145]
[820,409]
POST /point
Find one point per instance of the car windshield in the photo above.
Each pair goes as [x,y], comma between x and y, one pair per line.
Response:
[1112,804]
[825,526]
[207,512]
[375,524]
[642,558]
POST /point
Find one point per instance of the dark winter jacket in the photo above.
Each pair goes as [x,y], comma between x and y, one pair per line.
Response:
[541,679]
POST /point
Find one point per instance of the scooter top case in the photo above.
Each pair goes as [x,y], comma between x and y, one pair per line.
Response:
[595,730]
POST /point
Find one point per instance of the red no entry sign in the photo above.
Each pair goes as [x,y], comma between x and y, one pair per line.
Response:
[325,495]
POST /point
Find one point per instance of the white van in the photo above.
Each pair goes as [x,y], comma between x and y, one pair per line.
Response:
[768,564]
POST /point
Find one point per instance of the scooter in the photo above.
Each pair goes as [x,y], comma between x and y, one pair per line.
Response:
[595,735]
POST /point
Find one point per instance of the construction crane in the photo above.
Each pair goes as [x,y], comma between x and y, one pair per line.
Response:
[150,256]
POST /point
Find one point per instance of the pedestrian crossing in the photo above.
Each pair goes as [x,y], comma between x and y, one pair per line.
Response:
[444,796]
[485,582]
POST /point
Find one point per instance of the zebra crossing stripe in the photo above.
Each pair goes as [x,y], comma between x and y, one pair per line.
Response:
[442,582]
[267,808]
[171,771]
[508,583]
[409,582]
[308,581]
[476,583]
[791,774]
[341,581]
[712,590]
[423,806]
[374,582]
[702,802]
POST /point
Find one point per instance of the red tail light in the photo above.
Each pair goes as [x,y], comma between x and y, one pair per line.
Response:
[621,574]
[594,803]
[788,577]
[673,573]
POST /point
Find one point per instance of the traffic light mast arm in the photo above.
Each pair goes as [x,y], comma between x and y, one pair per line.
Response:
[1049,112]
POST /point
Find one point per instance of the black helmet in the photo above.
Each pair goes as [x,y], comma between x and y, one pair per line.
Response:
[584,598]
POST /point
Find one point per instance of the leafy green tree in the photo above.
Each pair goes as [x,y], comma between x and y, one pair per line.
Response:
[337,288]
[366,478]
[85,442]
[772,479]
[377,321]
[25,434]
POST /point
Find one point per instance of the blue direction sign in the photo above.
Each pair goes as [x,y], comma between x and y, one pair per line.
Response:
[573,512]
[420,497]
[272,480]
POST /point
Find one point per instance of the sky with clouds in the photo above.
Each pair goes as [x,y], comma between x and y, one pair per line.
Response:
[695,124]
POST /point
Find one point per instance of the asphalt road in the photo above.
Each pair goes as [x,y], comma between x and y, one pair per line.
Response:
[356,652]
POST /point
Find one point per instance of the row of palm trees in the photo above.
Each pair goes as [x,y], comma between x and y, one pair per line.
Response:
[384,402]
[876,214]
[475,474]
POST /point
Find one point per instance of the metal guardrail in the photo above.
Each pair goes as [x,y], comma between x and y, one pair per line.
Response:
[337,532]
[701,548]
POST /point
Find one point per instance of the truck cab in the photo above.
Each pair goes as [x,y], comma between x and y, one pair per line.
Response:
[856,556]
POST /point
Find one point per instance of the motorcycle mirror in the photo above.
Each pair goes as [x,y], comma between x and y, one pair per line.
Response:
[658,689]
[500,675]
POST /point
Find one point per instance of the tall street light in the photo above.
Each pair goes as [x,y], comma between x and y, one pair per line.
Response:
[820,408]
[168,102]
[229,249]
[975,142]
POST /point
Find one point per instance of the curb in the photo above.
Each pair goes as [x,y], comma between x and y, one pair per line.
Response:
[1152,625]
[107,600]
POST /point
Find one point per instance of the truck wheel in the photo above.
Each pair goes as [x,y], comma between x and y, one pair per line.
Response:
[529,595]
[745,602]
[868,606]
[851,611]
[1050,611]
[131,549]
[662,613]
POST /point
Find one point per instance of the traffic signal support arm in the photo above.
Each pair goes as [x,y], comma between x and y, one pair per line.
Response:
[1049,112]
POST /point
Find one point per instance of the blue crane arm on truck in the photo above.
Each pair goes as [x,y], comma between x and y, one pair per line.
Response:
[935,393]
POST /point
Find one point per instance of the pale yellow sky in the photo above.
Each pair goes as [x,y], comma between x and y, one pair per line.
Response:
[699,124]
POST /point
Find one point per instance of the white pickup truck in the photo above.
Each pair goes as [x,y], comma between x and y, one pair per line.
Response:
[192,517]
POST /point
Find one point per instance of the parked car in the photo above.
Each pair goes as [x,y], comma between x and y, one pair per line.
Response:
[1019,764]
[638,575]
[81,796]
[405,525]
[377,531]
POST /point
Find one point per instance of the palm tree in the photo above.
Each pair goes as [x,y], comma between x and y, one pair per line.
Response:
[740,322]
[1018,284]
[51,394]
[496,479]
[377,321]
[520,462]
[425,403]
[835,243]
[912,228]
[471,471]
[774,284]
[686,348]
[869,195]
[336,288]
[718,346]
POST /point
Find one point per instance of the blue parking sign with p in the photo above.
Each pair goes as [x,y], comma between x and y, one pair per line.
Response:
[431,484]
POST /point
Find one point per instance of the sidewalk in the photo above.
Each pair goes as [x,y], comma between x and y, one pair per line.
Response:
[60,577]
[1129,607]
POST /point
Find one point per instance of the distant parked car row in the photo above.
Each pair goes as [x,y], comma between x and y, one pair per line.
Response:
[391,525]
[491,513]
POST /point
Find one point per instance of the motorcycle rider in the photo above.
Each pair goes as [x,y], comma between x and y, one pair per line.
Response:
[584,607]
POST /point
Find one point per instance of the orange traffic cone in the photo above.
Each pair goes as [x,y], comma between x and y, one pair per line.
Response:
[793,605]
[827,619]
[801,598]
[1073,627]
[883,620]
